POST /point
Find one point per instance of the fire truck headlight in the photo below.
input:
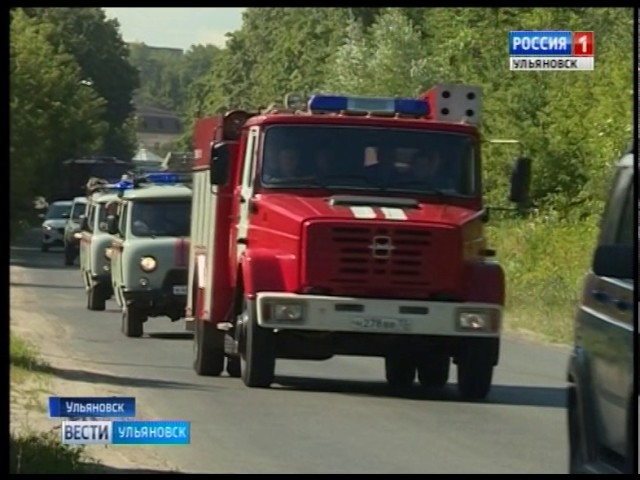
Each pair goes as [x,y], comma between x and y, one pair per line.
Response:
[148,264]
[486,320]
[287,312]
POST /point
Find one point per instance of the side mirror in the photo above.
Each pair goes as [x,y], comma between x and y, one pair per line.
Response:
[112,224]
[219,164]
[520,180]
[84,222]
[615,261]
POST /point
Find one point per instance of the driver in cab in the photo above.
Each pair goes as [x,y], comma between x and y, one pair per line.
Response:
[283,166]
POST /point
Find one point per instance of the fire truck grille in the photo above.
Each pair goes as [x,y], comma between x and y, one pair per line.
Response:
[377,257]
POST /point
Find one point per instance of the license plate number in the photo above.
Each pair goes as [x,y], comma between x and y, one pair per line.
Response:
[180,290]
[382,324]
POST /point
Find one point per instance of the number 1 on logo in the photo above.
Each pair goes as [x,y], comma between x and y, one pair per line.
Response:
[583,44]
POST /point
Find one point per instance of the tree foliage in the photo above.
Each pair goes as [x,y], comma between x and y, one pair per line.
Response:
[97,46]
[573,124]
[51,117]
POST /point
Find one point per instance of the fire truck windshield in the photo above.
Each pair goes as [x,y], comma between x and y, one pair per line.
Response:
[164,218]
[365,158]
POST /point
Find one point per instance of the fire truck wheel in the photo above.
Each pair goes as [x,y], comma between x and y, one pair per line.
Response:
[433,370]
[96,300]
[258,355]
[133,319]
[400,370]
[475,370]
[208,349]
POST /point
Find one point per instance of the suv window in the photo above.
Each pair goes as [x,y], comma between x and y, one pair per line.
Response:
[625,231]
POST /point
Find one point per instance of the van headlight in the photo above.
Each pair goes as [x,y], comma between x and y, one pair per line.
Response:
[148,264]
[287,312]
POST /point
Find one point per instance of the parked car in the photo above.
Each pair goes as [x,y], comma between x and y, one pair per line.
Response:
[53,224]
[601,367]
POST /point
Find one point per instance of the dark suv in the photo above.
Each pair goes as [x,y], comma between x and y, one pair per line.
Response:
[601,395]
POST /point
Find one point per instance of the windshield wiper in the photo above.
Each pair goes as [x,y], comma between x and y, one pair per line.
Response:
[426,191]
[324,181]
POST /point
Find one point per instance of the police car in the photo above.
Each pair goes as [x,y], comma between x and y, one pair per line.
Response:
[150,250]
[95,248]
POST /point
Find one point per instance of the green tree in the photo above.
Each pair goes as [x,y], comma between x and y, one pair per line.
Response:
[97,46]
[52,117]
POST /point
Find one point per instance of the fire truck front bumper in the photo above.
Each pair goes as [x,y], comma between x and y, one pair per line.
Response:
[287,311]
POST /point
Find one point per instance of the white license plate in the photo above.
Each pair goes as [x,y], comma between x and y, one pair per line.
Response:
[382,324]
[180,290]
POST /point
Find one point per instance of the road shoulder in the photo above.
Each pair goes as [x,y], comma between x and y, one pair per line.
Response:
[29,401]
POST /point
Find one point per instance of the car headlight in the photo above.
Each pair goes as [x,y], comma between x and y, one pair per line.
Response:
[479,320]
[108,253]
[287,312]
[47,227]
[148,264]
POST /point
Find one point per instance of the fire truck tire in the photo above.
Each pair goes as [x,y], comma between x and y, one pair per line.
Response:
[400,370]
[258,355]
[433,370]
[208,349]
[475,370]
[133,319]
[96,300]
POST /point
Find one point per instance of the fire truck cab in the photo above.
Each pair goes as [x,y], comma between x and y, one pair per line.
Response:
[347,226]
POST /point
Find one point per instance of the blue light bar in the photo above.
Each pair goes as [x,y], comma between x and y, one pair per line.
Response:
[167,177]
[121,185]
[334,103]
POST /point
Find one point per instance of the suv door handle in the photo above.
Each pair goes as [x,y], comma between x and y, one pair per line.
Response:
[622,305]
[600,296]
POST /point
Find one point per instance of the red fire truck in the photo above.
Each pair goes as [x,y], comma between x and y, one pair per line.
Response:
[347,226]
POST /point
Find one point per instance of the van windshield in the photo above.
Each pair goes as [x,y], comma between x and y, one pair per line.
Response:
[164,218]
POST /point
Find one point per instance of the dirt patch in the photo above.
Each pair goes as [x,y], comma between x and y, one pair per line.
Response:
[29,394]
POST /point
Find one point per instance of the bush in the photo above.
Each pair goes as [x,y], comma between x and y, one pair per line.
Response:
[545,261]
[43,453]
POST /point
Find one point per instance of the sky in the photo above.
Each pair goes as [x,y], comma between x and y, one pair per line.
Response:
[176,27]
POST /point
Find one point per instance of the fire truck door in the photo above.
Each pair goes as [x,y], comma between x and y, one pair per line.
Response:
[246,190]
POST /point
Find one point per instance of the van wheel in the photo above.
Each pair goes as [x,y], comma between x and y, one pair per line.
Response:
[133,319]
[95,299]
[234,366]
[69,257]
[400,370]
[208,349]
[258,355]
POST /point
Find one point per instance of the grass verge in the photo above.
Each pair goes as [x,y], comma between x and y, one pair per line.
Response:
[545,262]
[35,452]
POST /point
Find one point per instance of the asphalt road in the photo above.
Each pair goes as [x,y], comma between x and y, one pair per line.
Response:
[321,417]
